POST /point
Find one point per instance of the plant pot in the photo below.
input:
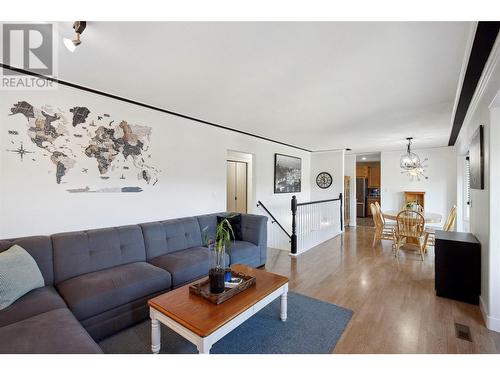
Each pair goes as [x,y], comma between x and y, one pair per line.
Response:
[217,280]
[217,270]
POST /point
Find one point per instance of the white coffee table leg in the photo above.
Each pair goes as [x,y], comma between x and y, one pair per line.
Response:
[284,302]
[204,346]
[155,336]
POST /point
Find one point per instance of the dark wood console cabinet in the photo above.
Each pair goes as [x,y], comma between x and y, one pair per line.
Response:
[458,266]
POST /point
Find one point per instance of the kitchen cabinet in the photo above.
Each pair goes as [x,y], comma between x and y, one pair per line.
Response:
[370,171]
[361,171]
[374,177]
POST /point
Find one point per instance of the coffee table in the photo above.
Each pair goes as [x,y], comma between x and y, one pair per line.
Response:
[204,323]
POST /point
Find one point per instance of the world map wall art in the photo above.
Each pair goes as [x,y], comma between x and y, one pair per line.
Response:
[119,151]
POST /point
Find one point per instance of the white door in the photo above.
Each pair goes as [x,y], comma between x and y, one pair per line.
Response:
[236,186]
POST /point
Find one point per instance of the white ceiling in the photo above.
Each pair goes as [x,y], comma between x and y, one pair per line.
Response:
[332,85]
[368,157]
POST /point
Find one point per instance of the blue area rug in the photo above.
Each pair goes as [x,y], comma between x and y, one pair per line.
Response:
[312,327]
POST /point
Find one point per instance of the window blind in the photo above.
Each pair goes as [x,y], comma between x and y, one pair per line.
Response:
[467,180]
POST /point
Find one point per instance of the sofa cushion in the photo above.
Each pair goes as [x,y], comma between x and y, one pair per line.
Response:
[164,237]
[235,222]
[33,303]
[117,319]
[254,229]
[53,332]
[185,265]
[40,248]
[243,252]
[19,274]
[208,222]
[78,253]
[93,293]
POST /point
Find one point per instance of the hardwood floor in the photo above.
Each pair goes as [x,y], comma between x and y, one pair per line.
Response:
[364,221]
[394,303]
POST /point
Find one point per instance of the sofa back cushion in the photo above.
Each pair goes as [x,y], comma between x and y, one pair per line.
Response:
[78,253]
[209,223]
[235,225]
[40,248]
[163,237]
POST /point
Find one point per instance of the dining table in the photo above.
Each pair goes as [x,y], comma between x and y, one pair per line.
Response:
[430,217]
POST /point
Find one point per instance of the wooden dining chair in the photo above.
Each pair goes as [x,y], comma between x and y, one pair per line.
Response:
[450,221]
[411,225]
[448,226]
[384,220]
[382,230]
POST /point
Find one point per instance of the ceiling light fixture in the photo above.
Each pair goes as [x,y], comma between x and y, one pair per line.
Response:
[363,158]
[411,165]
[79,27]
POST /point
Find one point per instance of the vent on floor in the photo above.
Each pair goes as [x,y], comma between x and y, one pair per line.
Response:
[463,332]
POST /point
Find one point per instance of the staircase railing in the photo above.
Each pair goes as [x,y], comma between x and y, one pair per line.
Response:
[273,219]
[311,222]
[315,216]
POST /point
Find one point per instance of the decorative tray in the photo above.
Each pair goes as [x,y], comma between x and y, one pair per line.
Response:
[202,288]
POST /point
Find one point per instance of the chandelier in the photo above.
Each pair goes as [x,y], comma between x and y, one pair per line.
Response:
[411,164]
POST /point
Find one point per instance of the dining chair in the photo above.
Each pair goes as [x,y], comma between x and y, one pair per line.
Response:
[448,226]
[379,212]
[384,220]
[450,221]
[411,226]
[382,231]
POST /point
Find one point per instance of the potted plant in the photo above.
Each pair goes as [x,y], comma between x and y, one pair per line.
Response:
[216,273]
[412,206]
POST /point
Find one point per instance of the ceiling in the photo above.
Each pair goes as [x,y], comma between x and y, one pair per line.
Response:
[330,85]
[366,157]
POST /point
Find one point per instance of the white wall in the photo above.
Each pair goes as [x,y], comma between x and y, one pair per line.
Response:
[440,187]
[190,155]
[333,163]
[493,312]
[350,170]
[485,205]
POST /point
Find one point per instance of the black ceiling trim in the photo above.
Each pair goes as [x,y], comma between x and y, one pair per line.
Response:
[484,39]
[130,101]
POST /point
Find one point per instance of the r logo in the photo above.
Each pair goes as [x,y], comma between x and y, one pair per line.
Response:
[28,46]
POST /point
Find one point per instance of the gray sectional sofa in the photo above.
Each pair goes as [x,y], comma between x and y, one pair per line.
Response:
[97,282]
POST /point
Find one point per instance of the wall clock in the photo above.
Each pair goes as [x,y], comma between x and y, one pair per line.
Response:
[324,180]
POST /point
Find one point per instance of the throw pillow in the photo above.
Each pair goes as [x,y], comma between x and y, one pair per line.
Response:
[235,222]
[19,274]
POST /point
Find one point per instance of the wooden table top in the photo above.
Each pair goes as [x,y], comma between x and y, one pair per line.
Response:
[429,217]
[203,317]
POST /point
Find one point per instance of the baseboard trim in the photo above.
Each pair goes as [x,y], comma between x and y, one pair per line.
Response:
[492,323]
[484,310]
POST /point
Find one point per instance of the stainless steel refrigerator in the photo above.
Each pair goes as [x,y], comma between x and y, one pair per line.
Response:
[361,192]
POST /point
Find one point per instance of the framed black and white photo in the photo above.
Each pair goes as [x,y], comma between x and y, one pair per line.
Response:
[476,159]
[287,174]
